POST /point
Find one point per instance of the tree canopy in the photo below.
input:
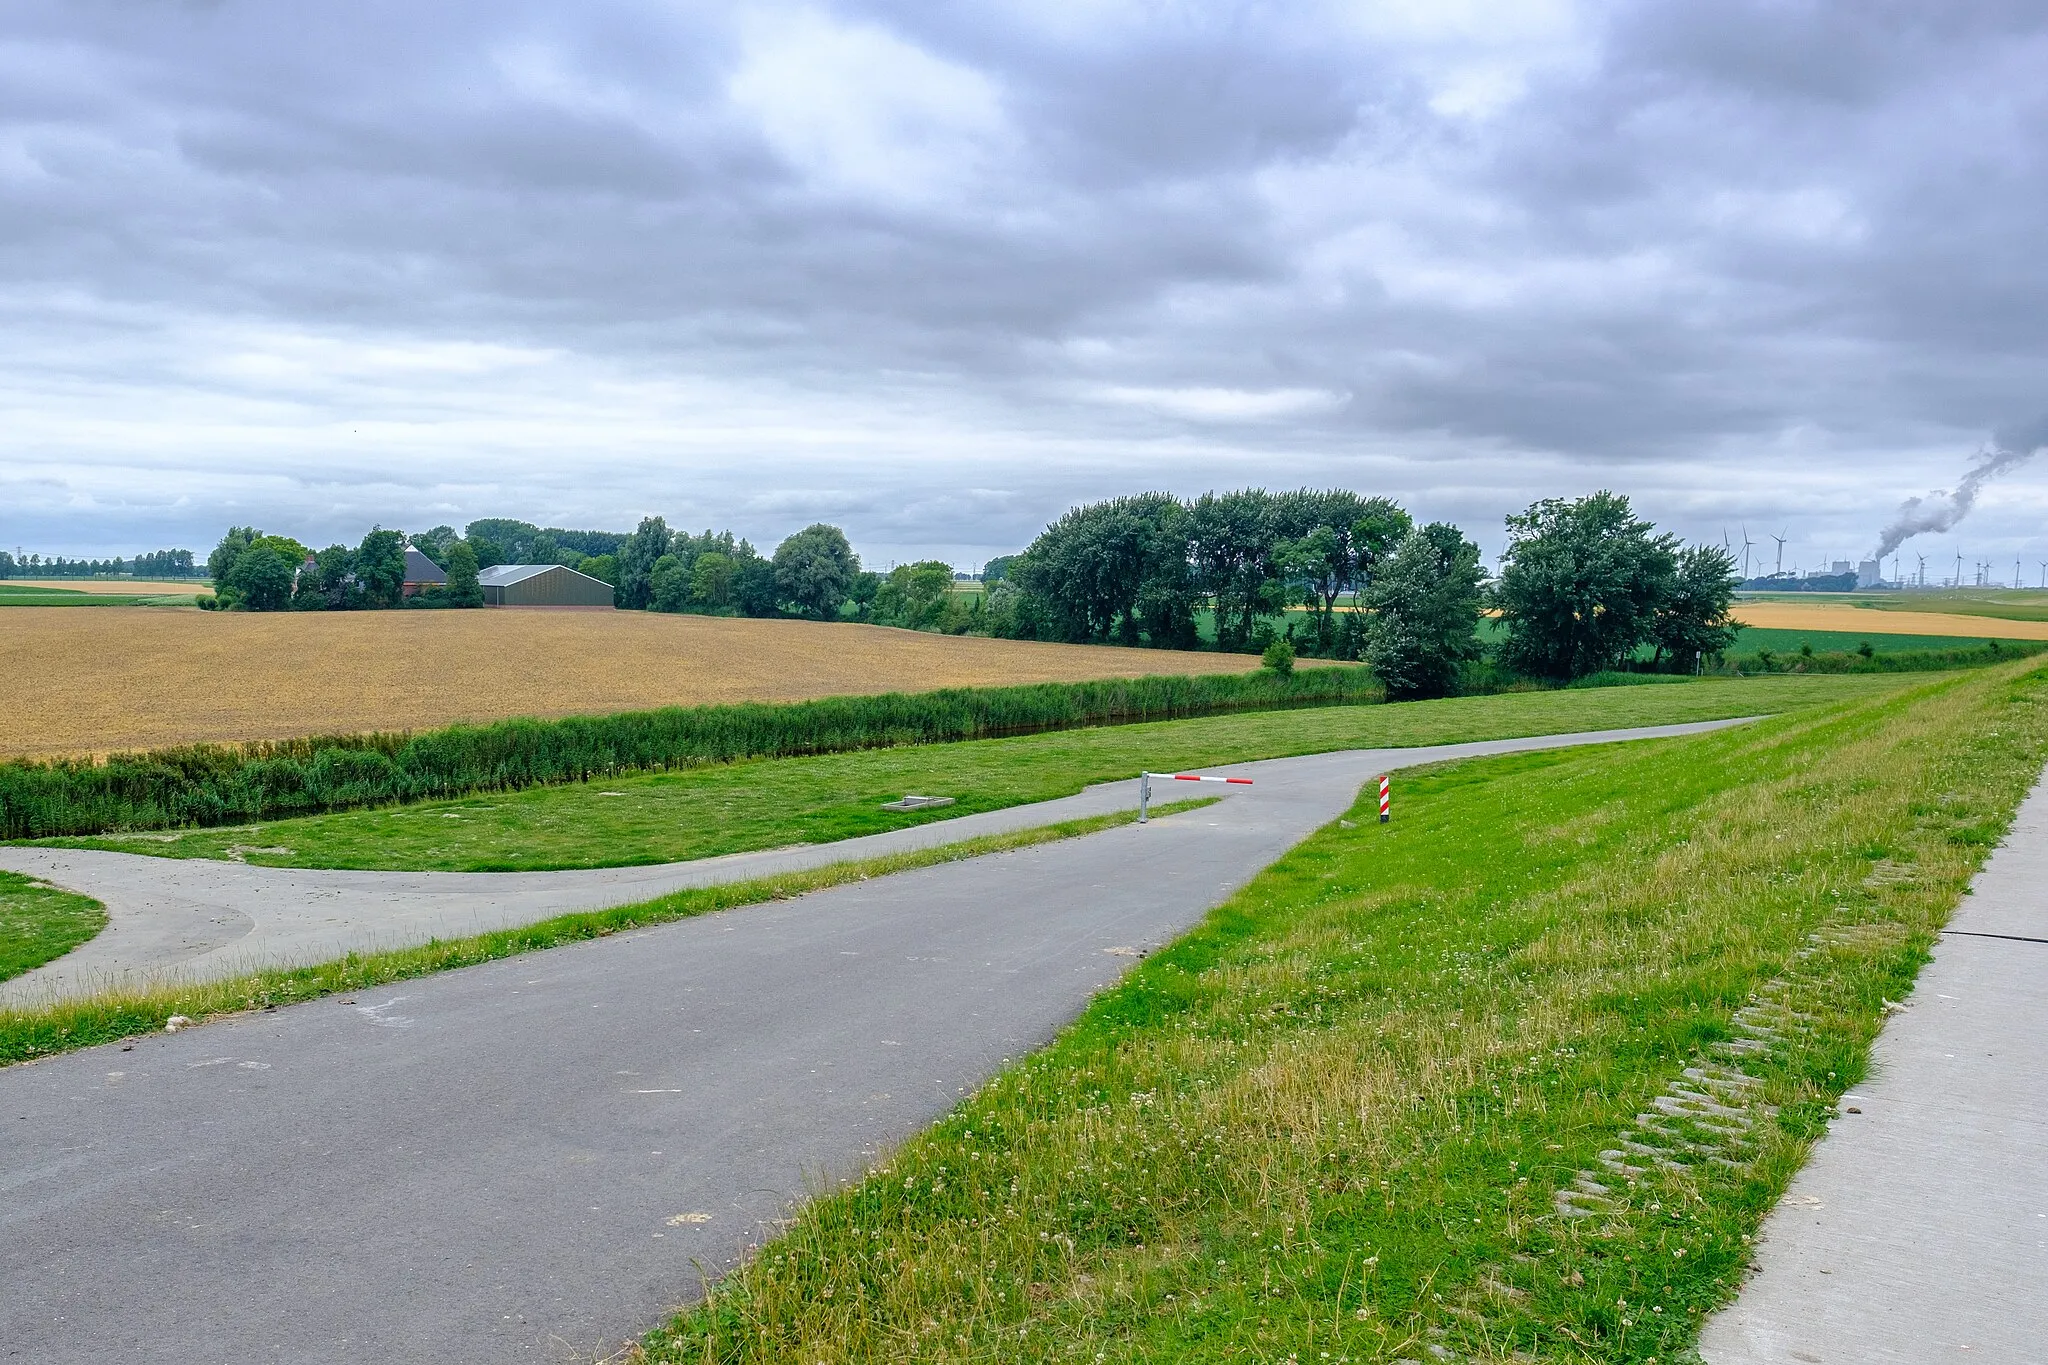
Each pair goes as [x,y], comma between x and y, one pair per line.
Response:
[1424,612]
[1582,584]
[813,570]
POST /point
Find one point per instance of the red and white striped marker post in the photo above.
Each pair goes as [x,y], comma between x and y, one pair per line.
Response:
[1145,787]
[1386,798]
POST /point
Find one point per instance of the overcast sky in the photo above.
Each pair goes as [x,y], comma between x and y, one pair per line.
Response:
[935,272]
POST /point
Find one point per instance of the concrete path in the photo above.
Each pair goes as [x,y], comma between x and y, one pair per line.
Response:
[1918,1231]
[189,919]
[531,1159]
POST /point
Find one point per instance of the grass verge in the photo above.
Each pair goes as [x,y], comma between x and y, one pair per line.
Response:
[1513,1078]
[733,808]
[39,922]
[28,1034]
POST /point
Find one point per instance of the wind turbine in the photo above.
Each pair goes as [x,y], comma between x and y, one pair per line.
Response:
[1781,550]
[1745,554]
[1923,571]
[1959,567]
[2044,573]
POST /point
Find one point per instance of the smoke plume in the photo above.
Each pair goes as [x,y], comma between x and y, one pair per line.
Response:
[1942,509]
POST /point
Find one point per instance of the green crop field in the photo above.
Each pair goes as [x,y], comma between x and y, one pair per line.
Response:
[39,923]
[1753,638]
[1367,1111]
[704,812]
[1750,639]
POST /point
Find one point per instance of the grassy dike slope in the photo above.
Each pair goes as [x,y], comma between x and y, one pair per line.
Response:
[1335,1122]
[770,803]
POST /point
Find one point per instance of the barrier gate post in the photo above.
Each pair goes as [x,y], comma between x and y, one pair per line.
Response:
[1145,787]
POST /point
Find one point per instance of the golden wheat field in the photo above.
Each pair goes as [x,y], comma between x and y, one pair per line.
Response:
[1843,616]
[74,682]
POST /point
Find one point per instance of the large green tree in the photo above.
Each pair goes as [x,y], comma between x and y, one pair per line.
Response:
[650,541]
[261,579]
[1333,542]
[1693,621]
[914,595]
[711,581]
[463,588]
[668,584]
[380,568]
[328,583]
[1580,585]
[1231,544]
[1423,606]
[1115,570]
[237,539]
[813,570]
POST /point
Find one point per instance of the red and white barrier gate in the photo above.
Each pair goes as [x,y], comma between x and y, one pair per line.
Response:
[1145,787]
[1386,798]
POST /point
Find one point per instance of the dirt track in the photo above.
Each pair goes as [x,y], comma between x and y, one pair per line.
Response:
[74,681]
[1841,616]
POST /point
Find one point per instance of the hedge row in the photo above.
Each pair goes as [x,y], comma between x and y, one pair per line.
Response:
[232,784]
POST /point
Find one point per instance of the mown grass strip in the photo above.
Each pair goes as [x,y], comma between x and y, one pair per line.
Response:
[1335,1121]
[29,1034]
[39,922]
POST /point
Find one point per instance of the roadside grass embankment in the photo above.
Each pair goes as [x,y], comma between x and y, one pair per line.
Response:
[1515,1077]
[36,1032]
[40,923]
[206,785]
[733,808]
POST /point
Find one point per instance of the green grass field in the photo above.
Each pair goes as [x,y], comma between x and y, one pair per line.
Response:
[1750,639]
[38,595]
[39,923]
[1335,1122]
[705,812]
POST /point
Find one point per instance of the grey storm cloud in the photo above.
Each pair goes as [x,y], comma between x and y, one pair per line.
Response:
[937,271]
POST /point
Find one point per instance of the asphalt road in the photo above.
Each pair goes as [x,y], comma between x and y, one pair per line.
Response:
[195,919]
[536,1158]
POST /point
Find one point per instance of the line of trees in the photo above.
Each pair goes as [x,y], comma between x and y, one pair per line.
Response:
[1585,585]
[156,564]
[1137,570]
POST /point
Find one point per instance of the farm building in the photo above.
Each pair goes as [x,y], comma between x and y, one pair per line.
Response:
[543,585]
[421,573]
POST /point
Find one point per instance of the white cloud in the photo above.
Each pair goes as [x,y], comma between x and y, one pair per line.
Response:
[858,109]
[1229,405]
